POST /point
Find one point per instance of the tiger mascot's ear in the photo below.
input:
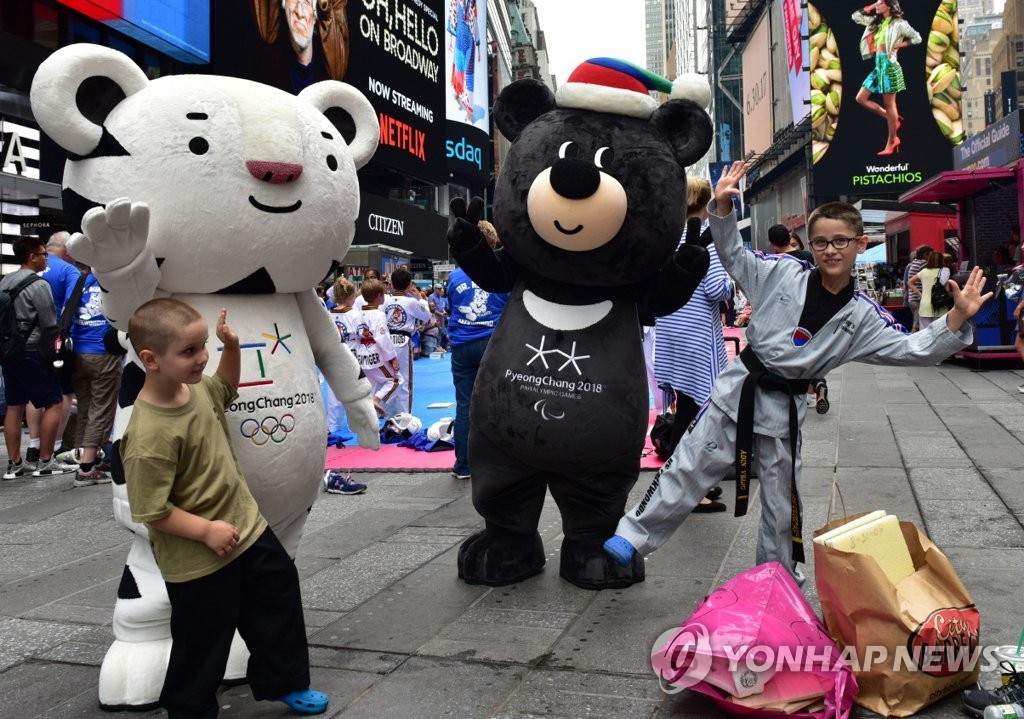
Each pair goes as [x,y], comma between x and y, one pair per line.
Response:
[350,112]
[76,88]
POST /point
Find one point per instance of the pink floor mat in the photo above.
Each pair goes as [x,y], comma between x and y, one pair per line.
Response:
[391,457]
[403,459]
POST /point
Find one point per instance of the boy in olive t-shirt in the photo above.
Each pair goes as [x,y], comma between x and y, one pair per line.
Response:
[223,566]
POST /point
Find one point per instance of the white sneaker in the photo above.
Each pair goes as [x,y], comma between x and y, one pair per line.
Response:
[53,467]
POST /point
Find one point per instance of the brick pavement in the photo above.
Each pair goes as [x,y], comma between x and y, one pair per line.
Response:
[394,633]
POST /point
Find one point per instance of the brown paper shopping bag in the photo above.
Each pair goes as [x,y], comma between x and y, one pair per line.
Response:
[910,643]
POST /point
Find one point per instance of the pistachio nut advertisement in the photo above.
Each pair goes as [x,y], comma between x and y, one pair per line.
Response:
[885,93]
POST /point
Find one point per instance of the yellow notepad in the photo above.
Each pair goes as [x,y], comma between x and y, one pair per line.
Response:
[859,521]
[881,539]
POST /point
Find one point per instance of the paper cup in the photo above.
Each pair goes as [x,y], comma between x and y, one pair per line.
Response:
[1009,661]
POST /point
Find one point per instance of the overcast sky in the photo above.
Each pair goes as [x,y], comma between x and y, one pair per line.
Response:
[579,29]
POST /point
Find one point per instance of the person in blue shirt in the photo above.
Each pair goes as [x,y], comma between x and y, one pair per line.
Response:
[60,270]
[439,307]
[474,315]
[97,378]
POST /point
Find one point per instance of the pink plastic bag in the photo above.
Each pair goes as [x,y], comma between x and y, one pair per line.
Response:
[757,648]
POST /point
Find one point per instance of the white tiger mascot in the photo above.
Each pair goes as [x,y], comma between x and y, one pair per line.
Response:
[223,193]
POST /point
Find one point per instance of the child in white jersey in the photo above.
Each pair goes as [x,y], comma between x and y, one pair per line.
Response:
[373,348]
[404,309]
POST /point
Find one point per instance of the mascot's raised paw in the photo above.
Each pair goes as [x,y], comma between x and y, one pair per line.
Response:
[464,234]
[112,237]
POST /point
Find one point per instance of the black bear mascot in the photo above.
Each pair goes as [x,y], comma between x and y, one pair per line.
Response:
[589,207]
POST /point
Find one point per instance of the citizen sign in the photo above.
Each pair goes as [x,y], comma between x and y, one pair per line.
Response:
[387,225]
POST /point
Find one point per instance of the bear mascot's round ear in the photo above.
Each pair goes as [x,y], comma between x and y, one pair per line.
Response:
[350,112]
[687,127]
[521,103]
[75,89]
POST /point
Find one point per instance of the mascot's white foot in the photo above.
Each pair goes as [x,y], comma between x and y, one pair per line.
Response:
[132,674]
[133,670]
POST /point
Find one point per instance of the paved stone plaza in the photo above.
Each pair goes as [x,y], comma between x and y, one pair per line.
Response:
[394,633]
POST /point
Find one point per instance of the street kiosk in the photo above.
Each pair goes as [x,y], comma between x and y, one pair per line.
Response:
[987,186]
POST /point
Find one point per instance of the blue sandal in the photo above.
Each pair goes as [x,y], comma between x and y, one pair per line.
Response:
[306,701]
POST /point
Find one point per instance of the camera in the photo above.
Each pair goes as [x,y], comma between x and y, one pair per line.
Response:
[59,345]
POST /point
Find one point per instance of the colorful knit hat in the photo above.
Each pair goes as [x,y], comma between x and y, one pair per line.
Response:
[606,84]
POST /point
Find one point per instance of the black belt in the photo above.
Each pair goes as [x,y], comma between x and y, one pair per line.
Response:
[761,376]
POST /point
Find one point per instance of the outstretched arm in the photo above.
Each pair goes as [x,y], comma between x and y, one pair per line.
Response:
[966,301]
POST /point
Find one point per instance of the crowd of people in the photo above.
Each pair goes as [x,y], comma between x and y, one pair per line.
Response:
[69,357]
[60,361]
[388,323]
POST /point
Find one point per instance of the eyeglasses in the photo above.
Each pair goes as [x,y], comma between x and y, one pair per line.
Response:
[840,243]
[40,254]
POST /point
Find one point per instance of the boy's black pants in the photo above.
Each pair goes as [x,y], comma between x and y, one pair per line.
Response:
[259,594]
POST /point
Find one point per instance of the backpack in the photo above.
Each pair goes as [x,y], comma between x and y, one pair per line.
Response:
[12,338]
[941,299]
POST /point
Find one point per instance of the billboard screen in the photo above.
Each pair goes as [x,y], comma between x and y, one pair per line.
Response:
[396,224]
[795,21]
[466,88]
[179,28]
[389,50]
[885,94]
[757,90]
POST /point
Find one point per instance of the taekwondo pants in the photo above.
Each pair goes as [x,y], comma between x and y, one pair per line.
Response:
[704,455]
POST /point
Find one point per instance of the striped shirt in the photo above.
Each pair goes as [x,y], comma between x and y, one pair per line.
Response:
[689,350]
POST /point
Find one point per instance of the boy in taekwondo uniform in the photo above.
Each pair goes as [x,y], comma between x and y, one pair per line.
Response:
[808,321]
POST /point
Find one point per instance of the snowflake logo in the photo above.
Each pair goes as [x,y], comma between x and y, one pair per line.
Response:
[570,359]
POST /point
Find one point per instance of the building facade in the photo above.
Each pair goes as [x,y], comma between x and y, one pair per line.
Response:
[1008,59]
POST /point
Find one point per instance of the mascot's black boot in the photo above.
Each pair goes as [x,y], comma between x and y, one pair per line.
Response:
[587,565]
[496,557]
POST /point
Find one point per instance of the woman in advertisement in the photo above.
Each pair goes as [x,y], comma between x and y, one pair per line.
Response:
[462,27]
[885,34]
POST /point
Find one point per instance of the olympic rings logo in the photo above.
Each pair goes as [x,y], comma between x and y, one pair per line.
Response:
[269,429]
